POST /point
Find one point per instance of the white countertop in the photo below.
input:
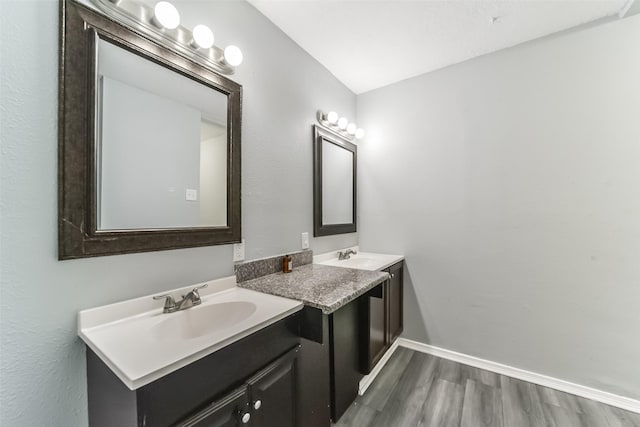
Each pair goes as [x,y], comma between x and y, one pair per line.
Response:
[360,261]
[131,337]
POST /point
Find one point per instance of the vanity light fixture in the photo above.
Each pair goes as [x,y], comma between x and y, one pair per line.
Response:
[165,15]
[339,125]
[233,55]
[202,37]
[154,21]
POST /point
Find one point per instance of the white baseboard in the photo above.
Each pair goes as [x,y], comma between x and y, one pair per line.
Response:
[366,381]
[543,380]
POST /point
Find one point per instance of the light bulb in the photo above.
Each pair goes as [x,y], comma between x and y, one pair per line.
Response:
[359,133]
[351,129]
[332,117]
[202,37]
[166,15]
[233,55]
[342,123]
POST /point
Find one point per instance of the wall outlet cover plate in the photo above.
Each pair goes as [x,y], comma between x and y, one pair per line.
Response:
[238,251]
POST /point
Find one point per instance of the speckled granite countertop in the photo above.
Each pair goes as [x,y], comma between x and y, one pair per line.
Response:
[321,286]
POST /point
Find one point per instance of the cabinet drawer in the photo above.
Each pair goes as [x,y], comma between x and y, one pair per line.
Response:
[225,412]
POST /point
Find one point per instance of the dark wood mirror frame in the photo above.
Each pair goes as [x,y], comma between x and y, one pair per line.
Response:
[78,235]
[319,229]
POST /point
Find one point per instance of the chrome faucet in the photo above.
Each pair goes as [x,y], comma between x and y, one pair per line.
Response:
[189,300]
[346,254]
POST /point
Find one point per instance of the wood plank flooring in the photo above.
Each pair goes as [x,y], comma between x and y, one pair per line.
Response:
[417,389]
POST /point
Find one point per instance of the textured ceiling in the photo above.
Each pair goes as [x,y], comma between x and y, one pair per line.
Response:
[368,44]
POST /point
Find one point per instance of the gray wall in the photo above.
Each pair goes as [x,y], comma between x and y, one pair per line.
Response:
[512,184]
[42,361]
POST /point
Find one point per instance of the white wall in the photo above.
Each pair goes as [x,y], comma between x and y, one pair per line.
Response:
[213,179]
[512,184]
[148,158]
[42,362]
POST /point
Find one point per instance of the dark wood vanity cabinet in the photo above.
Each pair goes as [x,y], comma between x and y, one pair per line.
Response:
[395,302]
[268,399]
[331,362]
[381,320]
[373,324]
[217,390]
[344,332]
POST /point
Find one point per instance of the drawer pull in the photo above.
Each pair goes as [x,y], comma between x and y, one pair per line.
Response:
[257,404]
[246,417]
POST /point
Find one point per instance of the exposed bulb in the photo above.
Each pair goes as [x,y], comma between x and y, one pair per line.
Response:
[165,15]
[202,37]
[342,123]
[233,55]
[351,129]
[359,133]
[332,117]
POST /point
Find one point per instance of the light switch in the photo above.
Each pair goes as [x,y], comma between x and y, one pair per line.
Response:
[191,194]
[305,240]
[238,251]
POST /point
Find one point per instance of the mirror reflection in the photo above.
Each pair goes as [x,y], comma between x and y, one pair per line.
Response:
[161,146]
[337,184]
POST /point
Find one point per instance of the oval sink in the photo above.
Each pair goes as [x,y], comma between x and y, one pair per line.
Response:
[201,320]
[363,263]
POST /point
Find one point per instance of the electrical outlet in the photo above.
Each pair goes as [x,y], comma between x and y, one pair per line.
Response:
[238,251]
[305,240]
[191,195]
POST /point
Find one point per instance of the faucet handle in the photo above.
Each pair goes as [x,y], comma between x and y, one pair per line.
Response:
[169,303]
[196,294]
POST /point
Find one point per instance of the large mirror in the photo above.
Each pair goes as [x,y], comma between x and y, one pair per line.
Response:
[334,181]
[161,146]
[149,144]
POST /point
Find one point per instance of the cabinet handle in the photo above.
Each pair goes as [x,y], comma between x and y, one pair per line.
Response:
[257,404]
[246,417]
[393,275]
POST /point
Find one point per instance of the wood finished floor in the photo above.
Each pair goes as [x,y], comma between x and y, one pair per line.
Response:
[416,389]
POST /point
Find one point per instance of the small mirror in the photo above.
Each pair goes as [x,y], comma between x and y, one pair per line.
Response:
[149,143]
[334,179]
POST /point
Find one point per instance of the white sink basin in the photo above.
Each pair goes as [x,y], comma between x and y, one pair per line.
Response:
[140,343]
[355,262]
[363,261]
[201,320]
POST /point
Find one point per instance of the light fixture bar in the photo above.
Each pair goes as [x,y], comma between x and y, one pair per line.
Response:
[339,125]
[141,18]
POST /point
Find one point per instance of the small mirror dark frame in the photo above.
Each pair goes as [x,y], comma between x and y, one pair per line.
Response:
[78,236]
[319,229]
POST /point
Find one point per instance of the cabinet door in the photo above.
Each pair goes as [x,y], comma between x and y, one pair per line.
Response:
[273,393]
[230,411]
[373,330]
[344,360]
[395,312]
